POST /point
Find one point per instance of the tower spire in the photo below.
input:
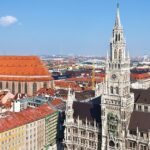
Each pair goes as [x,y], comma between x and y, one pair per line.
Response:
[118,21]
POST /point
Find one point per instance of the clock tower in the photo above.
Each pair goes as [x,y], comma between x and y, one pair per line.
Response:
[117,101]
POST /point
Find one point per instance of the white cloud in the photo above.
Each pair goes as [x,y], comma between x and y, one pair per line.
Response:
[8,20]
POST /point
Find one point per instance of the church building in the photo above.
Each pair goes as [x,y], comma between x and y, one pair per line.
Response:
[23,74]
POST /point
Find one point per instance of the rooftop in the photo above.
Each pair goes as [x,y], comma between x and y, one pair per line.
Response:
[141,95]
[23,68]
[87,111]
[12,120]
[140,120]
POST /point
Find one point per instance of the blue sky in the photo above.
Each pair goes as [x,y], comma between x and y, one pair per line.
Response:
[33,27]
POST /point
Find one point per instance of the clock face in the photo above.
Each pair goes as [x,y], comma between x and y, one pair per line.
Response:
[114,76]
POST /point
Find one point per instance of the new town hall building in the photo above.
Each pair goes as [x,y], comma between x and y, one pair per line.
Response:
[117,119]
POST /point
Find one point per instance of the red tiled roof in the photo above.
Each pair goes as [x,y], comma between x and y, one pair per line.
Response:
[67,84]
[138,76]
[15,119]
[100,75]
[56,101]
[48,91]
[21,67]
[8,104]
[86,79]
[20,96]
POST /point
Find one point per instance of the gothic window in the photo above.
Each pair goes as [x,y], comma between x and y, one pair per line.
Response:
[134,106]
[117,90]
[13,87]
[111,90]
[75,139]
[117,145]
[68,129]
[142,147]
[141,134]
[116,38]
[119,37]
[115,54]
[111,143]
[19,87]
[34,87]
[83,133]
[25,87]
[120,54]
[1,85]
[75,130]
[132,145]
[132,132]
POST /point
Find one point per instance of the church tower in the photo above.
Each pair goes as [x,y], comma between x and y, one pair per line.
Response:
[117,101]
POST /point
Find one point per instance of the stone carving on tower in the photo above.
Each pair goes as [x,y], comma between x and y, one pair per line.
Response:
[117,101]
[69,106]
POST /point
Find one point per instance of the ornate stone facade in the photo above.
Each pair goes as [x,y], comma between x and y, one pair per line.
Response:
[117,101]
[82,129]
[124,114]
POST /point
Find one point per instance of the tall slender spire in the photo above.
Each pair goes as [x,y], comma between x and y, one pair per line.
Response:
[118,22]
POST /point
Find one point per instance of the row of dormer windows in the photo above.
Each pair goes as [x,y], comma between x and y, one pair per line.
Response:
[140,107]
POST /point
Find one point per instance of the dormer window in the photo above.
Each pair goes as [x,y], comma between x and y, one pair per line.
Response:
[146,108]
[139,107]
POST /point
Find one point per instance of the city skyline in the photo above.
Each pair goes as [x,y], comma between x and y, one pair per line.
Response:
[80,28]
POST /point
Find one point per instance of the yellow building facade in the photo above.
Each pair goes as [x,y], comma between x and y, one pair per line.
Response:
[14,139]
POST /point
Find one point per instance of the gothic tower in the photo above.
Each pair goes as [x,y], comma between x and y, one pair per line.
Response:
[117,101]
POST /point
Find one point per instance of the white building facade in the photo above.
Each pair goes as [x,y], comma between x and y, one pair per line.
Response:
[117,102]
[124,113]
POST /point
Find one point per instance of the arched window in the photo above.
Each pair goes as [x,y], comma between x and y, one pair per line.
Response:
[25,87]
[1,85]
[45,85]
[117,90]
[111,143]
[116,38]
[6,85]
[19,87]
[119,37]
[120,54]
[115,54]
[117,145]
[34,87]
[111,90]
[13,87]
